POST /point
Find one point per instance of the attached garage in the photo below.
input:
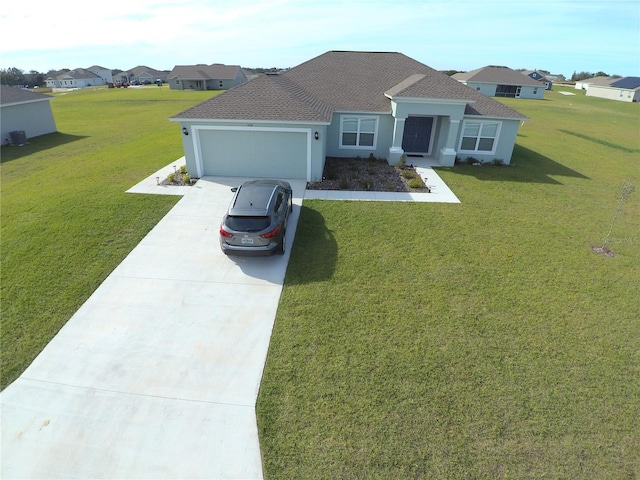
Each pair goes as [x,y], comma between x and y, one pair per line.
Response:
[252,151]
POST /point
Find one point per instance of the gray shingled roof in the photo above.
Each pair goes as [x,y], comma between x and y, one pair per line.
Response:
[498,75]
[13,95]
[341,81]
[216,71]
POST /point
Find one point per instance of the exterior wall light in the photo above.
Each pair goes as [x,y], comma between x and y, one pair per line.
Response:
[316,135]
[185,131]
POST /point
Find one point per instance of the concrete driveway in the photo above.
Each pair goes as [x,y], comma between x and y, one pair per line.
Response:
[157,374]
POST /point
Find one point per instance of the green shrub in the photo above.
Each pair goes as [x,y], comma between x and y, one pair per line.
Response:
[182,170]
[401,162]
[344,183]
[171,177]
[367,183]
[416,182]
[186,178]
[409,174]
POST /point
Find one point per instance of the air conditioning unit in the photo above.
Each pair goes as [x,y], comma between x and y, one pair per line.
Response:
[18,138]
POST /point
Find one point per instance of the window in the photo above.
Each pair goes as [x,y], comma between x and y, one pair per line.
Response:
[358,132]
[479,137]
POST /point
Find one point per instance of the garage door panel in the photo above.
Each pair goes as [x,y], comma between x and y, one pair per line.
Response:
[254,153]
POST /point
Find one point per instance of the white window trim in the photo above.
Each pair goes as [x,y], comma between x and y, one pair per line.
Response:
[482,123]
[359,118]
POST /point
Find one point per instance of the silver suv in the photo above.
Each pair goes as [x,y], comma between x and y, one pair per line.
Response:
[256,221]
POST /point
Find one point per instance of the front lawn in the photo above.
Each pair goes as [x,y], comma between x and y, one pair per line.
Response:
[66,219]
[479,340]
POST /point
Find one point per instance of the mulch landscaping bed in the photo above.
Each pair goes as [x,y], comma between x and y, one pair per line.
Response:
[365,174]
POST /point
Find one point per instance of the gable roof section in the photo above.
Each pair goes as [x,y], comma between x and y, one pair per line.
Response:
[341,81]
[140,69]
[216,71]
[496,74]
[78,74]
[628,83]
[15,96]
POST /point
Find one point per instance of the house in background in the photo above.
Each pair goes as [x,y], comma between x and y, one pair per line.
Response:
[206,77]
[81,78]
[585,83]
[497,81]
[344,104]
[625,89]
[141,75]
[540,77]
[24,111]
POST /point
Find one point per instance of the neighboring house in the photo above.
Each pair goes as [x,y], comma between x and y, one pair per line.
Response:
[625,89]
[141,75]
[585,83]
[540,77]
[495,81]
[25,111]
[344,104]
[81,78]
[206,77]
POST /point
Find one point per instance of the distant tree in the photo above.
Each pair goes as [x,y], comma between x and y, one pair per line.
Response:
[12,76]
[601,74]
[451,72]
[35,79]
[576,77]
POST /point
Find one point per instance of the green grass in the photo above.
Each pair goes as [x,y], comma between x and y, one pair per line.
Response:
[66,221]
[480,340]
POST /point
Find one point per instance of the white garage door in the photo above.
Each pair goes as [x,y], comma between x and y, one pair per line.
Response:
[254,152]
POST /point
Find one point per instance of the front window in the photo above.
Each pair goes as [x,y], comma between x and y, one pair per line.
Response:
[480,137]
[358,132]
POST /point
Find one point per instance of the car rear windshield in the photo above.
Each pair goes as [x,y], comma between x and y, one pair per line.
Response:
[247,224]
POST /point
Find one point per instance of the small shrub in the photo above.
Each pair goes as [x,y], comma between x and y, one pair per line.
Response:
[372,157]
[372,170]
[171,177]
[182,170]
[409,174]
[367,183]
[401,162]
[472,160]
[416,182]
[344,184]
[498,162]
[186,178]
[389,187]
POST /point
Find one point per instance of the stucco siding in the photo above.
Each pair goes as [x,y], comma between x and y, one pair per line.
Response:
[384,137]
[504,146]
[34,119]
[611,93]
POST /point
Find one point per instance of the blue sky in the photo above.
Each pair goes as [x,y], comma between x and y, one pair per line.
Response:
[562,36]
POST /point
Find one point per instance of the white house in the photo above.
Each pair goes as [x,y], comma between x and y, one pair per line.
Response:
[344,104]
[497,81]
[81,77]
[24,111]
[625,89]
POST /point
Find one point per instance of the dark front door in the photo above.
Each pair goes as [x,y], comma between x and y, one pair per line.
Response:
[417,134]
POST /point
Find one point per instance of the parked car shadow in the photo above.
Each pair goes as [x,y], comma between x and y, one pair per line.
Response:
[37,144]
[527,166]
[314,252]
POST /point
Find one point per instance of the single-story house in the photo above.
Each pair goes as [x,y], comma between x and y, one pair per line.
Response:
[81,77]
[541,77]
[497,81]
[206,77]
[141,75]
[625,89]
[25,111]
[344,104]
[585,83]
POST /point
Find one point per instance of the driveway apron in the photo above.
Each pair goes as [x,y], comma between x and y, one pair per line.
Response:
[157,374]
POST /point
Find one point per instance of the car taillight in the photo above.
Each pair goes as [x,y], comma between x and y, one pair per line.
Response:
[224,233]
[272,233]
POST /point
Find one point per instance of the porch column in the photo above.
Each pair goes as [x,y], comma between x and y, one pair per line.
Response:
[447,156]
[396,151]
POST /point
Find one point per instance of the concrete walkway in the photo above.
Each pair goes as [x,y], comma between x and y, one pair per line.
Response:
[157,374]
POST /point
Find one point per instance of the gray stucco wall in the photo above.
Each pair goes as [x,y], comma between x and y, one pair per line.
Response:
[35,119]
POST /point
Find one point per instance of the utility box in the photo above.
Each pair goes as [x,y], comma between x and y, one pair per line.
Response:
[18,137]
